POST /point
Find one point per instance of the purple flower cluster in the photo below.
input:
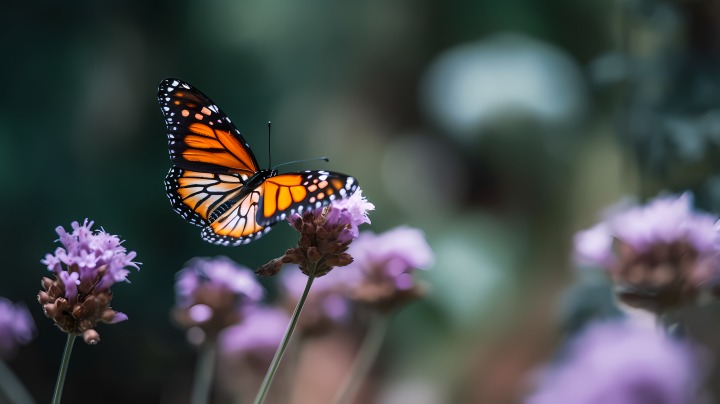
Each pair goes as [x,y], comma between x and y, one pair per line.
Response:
[218,275]
[352,211]
[88,252]
[16,326]
[213,294]
[664,220]
[395,254]
[661,256]
[325,234]
[619,363]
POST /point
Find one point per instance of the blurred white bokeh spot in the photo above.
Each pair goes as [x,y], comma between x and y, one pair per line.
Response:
[507,74]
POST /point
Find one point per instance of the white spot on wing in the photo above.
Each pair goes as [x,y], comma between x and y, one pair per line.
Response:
[175,83]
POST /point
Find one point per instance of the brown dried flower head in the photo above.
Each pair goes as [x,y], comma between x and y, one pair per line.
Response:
[80,314]
[324,238]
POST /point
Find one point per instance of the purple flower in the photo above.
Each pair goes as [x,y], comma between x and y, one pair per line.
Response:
[259,333]
[659,255]
[385,263]
[664,220]
[619,363]
[86,252]
[325,234]
[217,275]
[352,211]
[80,296]
[16,326]
[212,294]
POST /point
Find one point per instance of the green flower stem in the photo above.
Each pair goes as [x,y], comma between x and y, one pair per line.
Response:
[286,339]
[63,369]
[203,374]
[12,388]
[364,359]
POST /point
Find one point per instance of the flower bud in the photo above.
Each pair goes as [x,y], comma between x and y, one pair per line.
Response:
[271,268]
[108,316]
[43,297]
[304,241]
[313,254]
[308,228]
[91,337]
[321,233]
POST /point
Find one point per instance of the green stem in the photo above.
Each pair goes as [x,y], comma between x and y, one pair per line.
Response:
[204,374]
[63,369]
[286,339]
[364,359]
[12,388]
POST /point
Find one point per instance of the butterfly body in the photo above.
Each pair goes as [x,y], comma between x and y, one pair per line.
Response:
[216,183]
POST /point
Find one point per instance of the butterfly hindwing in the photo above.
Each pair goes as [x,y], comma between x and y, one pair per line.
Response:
[234,222]
[196,195]
[200,136]
[297,192]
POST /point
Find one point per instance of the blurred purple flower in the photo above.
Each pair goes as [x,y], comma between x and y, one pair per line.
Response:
[16,326]
[659,255]
[80,295]
[259,333]
[88,252]
[212,294]
[399,250]
[619,363]
[384,264]
[216,275]
[664,220]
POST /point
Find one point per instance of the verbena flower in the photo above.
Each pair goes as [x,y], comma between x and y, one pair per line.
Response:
[659,255]
[619,363]
[212,294]
[327,304]
[384,265]
[80,295]
[16,327]
[325,234]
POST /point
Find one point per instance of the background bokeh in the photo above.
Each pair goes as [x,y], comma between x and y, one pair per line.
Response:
[499,127]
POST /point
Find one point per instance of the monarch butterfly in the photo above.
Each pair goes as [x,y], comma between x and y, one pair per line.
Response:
[216,183]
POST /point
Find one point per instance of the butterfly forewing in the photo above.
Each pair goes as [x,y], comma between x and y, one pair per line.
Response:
[200,136]
[196,195]
[297,192]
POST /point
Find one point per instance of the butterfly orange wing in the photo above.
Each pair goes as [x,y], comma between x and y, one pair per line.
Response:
[290,193]
[234,223]
[195,195]
[200,136]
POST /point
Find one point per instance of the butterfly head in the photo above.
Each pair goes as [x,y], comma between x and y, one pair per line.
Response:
[257,179]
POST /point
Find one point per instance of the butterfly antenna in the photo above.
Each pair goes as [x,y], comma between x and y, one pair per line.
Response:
[269,149]
[300,161]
